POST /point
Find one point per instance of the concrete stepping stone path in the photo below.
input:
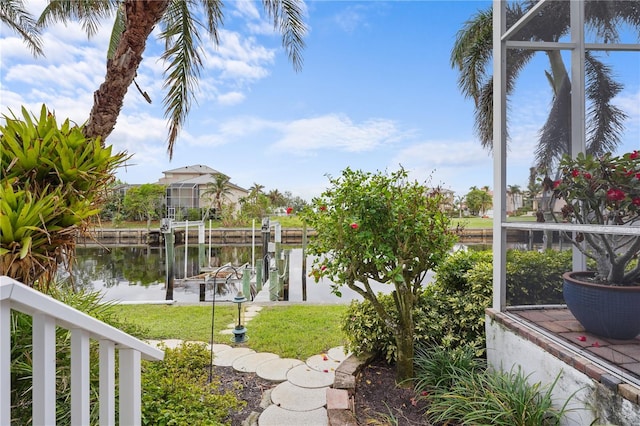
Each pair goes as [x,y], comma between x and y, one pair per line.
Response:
[249,363]
[300,398]
[226,358]
[276,370]
[278,416]
[291,397]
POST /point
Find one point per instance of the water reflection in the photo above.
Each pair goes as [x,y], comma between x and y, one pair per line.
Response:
[138,274]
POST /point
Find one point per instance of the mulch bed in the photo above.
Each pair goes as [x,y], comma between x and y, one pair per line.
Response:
[378,401]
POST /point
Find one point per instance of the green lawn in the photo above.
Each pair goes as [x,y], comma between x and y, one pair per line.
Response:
[291,331]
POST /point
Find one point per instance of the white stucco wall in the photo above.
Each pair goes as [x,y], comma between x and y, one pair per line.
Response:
[592,402]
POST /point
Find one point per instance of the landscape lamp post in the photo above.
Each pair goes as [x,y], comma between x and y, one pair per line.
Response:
[240,331]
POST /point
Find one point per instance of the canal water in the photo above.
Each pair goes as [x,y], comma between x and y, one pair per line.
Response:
[137,273]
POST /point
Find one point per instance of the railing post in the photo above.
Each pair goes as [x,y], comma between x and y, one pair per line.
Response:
[5,362]
[79,377]
[107,384]
[44,370]
[130,387]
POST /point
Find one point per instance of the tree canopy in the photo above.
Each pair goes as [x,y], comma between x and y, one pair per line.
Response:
[383,228]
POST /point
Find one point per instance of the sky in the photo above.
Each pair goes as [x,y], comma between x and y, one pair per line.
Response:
[376,92]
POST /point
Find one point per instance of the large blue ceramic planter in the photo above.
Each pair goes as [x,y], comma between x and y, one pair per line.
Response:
[608,311]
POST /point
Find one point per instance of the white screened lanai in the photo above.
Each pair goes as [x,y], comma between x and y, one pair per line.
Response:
[579,40]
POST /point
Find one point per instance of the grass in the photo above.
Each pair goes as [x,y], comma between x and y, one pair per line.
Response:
[297,331]
[292,331]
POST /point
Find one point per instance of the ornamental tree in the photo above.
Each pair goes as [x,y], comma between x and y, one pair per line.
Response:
[384,228]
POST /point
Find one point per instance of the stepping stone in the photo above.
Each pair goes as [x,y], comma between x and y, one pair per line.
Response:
[248,316]
[254,308]
[226,358]
[276,370]
[277,416]
[322,363]
[219,347]
[338,354]
[226,331]
[249,363]
[306,377]
[291,397]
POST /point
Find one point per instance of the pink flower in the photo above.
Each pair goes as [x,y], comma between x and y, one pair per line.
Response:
[636,202]
[587,175]
[556,184]
[354,225]
[323,268]
[289,210]
[575,173]
[582,338]
[615,195]
[323,208]
[596,345]
[633,155]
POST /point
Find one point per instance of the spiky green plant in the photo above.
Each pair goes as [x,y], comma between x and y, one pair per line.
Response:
[53,182]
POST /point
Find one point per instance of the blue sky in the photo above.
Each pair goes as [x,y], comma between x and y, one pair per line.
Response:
[376,91]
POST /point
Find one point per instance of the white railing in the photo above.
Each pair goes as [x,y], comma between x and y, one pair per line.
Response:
[48,314]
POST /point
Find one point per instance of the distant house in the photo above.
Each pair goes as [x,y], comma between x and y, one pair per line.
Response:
[186,186]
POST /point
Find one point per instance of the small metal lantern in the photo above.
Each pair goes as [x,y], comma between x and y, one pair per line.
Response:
[240,331]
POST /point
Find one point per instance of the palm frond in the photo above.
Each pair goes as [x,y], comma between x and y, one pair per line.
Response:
[16,17]
[182,41]
[472,53]
[87,12]
[604,120]
[213,13]
[555,135]
[116,32]
[288,19]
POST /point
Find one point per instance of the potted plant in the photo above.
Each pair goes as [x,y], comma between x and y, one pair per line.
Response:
[603,191]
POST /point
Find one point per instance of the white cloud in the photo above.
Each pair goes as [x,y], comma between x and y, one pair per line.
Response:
[334,131]
[231,98]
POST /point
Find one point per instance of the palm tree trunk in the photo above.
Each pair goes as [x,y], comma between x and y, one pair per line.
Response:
[141,17]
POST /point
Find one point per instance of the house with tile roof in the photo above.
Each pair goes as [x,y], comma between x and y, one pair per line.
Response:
[186,188]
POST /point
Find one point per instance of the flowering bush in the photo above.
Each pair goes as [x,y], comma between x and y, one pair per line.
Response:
[604,191]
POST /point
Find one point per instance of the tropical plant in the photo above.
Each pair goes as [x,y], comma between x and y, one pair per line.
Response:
[53,182]
[604,191]
[383,228]
[472,53]
[15,16]
[491,397]
[219,189]
[180,29]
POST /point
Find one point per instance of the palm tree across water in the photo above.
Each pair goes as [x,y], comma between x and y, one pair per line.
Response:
[218,189]
[472,53]
[181,28]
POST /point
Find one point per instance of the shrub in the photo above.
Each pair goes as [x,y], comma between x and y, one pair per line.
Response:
[450,312]
[494,398]
[536,278]
[437,367]
[176,391]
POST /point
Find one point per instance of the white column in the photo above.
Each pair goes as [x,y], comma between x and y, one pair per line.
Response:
[499,153]
[5,362]
[107,383]
[79,377]
[44,370]
[130,387]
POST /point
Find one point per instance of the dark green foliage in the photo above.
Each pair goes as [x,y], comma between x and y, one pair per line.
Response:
[535,278]
[491,397]
[450,312]
[437,367]
[175,391]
